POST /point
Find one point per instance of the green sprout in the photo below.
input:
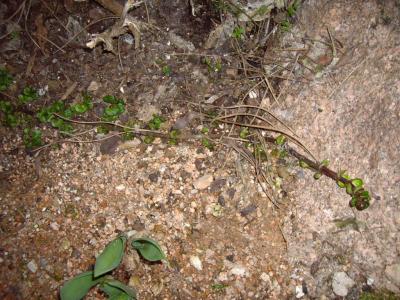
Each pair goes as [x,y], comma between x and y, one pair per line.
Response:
[205,130]
[207,143]
[213,65]
[82,107]
[29,94]
[46,115]
[32,138]
[166,70]
[286,25]
[115,108]
[128,134]
[10,118]
[280,140]
[292,9]
[155,122]
[5,79]
[238,32]
[244,133]
[173,137]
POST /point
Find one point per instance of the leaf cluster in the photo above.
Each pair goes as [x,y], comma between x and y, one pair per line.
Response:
[5,79]
[115,108]
[77,287]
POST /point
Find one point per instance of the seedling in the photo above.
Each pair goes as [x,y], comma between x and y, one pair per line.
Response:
[280,151]
[5,79]
[238,32]
[286,25]
[205,130]
[173,137]
[10,117]
[128,134]
[292,9]
[111,257]
[115,108]
[213,65]
[46,115]
[155,122]
[29,94]
[166,70]
[32,138]
[244,133]
[82,107]
[207,143]
[290,12]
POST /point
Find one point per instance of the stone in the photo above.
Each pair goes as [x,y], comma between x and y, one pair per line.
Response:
[341,283]
[238,270]
[299,291]
[203,182]
[392,272]
[196,263]
[32,266]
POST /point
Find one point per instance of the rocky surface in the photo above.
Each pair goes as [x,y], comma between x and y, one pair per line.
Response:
[350,115]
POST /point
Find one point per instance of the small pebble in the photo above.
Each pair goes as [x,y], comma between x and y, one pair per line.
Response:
[196,263]
[203,182]
[32,266]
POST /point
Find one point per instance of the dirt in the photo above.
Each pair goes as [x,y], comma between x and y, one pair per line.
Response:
[223,237]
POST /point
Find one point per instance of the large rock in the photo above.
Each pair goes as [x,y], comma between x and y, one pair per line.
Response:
[349,114]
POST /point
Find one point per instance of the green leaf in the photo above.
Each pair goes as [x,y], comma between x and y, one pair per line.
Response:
[77,287]
[166,70]
[340,184]
[357,182]
[244,133]
[117,290]
[80,108]
[5,79]
[349,189]
[110,99]
[149,249]
[303,164]
[325,162]
[111,256]
[280,140]
[6,107]
[317,176]
[112,110]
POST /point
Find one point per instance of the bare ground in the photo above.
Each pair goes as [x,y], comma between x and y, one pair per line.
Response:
[61,207]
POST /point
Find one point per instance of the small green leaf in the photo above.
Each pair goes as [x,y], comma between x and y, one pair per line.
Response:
[340,184]
[244,133]
[325,162]
[80,108]
[353,202]
[357,182]
[166,70]
[207,143]
[111,256]
[117,290]
[149,249]
[148,139]
[110,99]
[349,189]
[77,287]
[303,164]
[205,130]
[317,176]
[280,140]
